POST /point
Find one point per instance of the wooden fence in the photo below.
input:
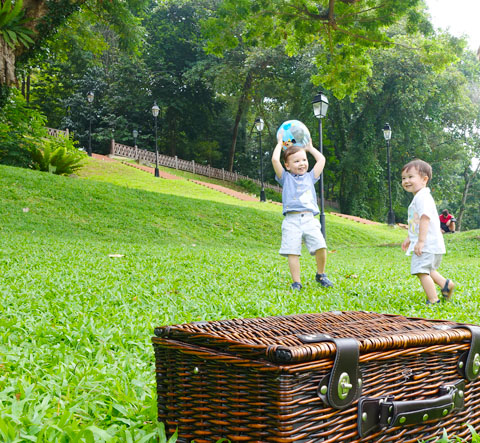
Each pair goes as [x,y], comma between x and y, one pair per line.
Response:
[57,132]
[117,149]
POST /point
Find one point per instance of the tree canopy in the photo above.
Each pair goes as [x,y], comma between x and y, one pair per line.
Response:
[338,34]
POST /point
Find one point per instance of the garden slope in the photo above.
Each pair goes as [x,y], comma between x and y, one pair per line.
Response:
[112,200]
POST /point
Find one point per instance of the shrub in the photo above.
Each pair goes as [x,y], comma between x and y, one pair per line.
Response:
[57,155]
[16,121]
[253,188]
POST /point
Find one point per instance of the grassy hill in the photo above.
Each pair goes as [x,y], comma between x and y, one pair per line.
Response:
[90,265]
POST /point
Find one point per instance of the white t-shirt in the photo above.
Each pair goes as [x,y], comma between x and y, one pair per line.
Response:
[423,204]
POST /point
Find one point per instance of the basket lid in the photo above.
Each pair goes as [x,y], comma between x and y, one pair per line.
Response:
[278,339]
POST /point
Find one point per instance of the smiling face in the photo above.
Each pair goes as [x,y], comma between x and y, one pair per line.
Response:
[297,163]
[413,181]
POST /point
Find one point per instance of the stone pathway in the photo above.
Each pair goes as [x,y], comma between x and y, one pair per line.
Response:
[357,219]
[228,191]
[150,170]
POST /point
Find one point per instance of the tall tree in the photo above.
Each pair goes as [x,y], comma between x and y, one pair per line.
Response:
[427,111]
[346,30]
[31,22]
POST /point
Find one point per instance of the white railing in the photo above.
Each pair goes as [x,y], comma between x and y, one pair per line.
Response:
[117,149]
[56,132]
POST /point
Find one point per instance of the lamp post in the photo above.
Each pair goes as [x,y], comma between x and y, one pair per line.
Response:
[387,134]
[90,97]
[135,135]
[320,106]
[155,111]
[259,125]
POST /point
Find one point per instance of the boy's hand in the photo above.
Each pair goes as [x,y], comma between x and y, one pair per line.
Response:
[418,248]
[405,244]
[309,146]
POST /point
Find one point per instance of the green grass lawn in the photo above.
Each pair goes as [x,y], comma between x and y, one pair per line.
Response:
[76,361]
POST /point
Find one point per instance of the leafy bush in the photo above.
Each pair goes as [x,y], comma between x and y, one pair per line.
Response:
[253,188]
[57,155]
[17,119]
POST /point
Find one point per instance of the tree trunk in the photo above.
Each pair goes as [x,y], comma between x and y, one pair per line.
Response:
[35,11]
[468,181]
[240,110]
[7,64]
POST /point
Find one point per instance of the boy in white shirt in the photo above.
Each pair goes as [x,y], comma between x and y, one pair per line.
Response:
[425,238]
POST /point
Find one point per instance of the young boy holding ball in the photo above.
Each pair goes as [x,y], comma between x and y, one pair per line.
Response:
[300,208]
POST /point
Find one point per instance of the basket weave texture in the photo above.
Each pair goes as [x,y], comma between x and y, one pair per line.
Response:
[253,380]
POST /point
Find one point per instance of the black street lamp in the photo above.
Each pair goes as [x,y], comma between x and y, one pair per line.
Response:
[320,106]
[135,135]
[259,125]
[90,97]
[155,111]
[387,133]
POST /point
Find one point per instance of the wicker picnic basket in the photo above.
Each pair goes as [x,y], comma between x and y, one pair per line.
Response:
[326,377]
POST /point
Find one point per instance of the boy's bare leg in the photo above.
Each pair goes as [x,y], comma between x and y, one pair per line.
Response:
[321,259]
[440,280]
[294,265]
[429,287]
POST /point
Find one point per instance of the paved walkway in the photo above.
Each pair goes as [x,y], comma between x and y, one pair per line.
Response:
[240,195]
[357,219]
[228,191]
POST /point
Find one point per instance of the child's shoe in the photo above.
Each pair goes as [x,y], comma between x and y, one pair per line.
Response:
[448,289]
[296,286]
[323,280]
[428,302]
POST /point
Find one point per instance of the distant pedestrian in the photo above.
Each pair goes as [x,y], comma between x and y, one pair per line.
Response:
[447,222]
[299,208]
[425,238]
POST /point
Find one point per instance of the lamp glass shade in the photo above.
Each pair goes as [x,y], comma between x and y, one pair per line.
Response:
[320,105]
[135,133]
[387,132]
[155,109]
[259,124]
[90,97]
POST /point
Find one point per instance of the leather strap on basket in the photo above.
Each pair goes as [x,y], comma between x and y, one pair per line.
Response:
[469,362]
[343,385]
[383,412]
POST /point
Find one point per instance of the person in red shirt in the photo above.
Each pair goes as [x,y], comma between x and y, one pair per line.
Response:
[447,222]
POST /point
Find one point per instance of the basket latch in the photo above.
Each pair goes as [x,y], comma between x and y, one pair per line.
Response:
[377,413]
[343,385]
[469,362]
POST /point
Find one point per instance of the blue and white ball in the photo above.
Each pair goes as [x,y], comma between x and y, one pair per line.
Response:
[293,133]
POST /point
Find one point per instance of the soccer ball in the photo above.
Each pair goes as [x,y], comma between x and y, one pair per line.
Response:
[293,133]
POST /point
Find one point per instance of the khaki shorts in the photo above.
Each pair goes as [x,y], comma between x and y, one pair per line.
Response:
[297,227]
[425,263]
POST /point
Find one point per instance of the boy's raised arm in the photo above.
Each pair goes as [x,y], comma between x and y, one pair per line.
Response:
[277,164]
[319,159]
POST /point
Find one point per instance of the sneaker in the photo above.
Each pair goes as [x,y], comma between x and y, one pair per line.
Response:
[323,280]
[428,302]
[296,286]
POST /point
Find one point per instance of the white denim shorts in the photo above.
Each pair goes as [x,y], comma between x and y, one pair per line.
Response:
[425,263]
[297,227]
